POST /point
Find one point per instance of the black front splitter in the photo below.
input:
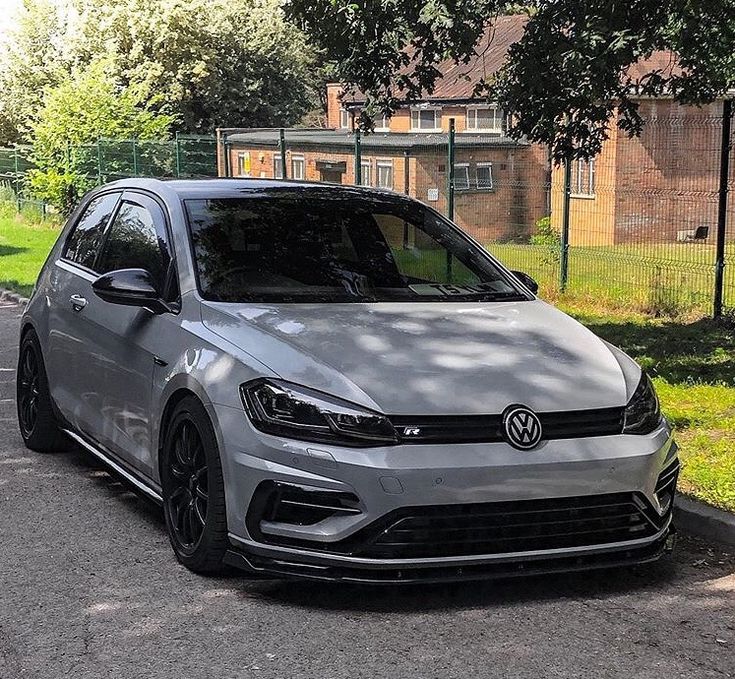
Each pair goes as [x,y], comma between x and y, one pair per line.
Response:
[284,568]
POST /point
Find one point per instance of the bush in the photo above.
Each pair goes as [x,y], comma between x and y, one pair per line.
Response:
[548,237]
[62,190]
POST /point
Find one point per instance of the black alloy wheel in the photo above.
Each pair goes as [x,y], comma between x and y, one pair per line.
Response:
[188,495]
[193,488]
[28,390]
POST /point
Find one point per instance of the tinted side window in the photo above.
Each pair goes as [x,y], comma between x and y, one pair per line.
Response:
[133,243]
[84,239]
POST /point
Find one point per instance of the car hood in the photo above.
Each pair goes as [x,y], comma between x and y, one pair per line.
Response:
[430,358]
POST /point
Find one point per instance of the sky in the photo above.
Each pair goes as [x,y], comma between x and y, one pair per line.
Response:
[8,10]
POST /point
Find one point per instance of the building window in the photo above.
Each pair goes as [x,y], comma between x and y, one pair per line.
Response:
[484,176]
[243,163]
[461,176]
[583,177]
[385,174]
[365,171]
[426,119]
[485,119]
[297,167]
[344,119]
[381,123]
[277,166]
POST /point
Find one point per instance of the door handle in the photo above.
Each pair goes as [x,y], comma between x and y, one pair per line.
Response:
[77,302]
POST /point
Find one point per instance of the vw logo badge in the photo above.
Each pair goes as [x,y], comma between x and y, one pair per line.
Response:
[522,427]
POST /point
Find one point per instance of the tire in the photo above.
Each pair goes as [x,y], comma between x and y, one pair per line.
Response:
[193,489]
[36,419]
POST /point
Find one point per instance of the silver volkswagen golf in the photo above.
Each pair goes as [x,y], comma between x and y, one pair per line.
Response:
[337,383]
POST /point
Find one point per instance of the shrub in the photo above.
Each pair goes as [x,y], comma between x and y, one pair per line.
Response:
[549,238]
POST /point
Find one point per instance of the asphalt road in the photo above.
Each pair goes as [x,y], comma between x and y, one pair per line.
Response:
[90,588]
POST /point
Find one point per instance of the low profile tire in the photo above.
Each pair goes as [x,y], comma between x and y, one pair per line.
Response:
[193,489]
[36,419]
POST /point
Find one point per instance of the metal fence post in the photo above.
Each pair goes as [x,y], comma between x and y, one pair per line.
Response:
[99,162]
[177,149]
[358,158]
[282,146]
[17,178]
[564,246]
[135,159]
[450,171]
[722,208]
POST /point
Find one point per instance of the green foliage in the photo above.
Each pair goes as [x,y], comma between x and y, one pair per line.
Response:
[85,106]
[90,104]
[208,63]
[58,188]
[565,78]
[549,239]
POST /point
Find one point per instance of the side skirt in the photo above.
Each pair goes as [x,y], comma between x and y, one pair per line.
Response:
[117,466]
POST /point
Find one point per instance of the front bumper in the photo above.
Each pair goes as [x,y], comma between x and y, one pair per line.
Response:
[384,482]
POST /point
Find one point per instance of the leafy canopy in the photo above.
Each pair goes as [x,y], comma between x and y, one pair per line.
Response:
[85,106]
[209,63]
[563,82]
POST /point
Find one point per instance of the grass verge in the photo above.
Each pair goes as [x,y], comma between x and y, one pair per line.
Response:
[24,245]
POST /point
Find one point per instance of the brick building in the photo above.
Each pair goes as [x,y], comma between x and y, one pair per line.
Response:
[656,188]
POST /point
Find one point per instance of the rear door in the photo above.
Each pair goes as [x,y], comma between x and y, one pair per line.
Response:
[129,341]
[70,356]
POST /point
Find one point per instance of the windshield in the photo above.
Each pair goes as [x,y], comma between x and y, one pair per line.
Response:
[325,246]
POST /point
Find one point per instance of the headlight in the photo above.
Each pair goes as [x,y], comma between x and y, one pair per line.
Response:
[297,412]
[642,414]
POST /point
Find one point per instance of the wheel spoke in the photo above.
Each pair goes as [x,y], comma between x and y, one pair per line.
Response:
[200,511]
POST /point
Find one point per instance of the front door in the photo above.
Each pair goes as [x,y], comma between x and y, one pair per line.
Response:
[127,339]
[71,362]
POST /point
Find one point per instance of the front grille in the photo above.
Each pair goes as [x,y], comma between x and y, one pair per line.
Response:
[567,424]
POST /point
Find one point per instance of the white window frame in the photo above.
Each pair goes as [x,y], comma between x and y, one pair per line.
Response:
[471,120]
[277,165]
[344,118]
[366,172]
[241,156]
[466,168]
[385,125]
[418,110]
[579,186]
[298,158]
[492,177]
[384,163]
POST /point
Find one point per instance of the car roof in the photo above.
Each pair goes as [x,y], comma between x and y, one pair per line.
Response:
[221,187]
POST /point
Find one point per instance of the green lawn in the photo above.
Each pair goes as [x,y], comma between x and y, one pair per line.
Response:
[23,249]
[692,362]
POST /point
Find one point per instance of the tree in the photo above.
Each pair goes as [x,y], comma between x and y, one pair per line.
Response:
[208,62]
[85,106]
[564,80]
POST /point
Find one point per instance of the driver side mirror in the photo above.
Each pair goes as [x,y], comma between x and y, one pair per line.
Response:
[130,287]
[524,278]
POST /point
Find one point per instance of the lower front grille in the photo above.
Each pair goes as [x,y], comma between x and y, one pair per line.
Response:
[504,527]
[498,527]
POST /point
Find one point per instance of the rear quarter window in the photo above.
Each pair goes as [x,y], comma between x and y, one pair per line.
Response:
[83,242]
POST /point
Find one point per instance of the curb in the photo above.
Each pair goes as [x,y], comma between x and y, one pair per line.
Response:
[10,296]
[705,521]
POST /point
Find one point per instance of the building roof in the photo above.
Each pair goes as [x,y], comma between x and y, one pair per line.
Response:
[457,81]
[399,141]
